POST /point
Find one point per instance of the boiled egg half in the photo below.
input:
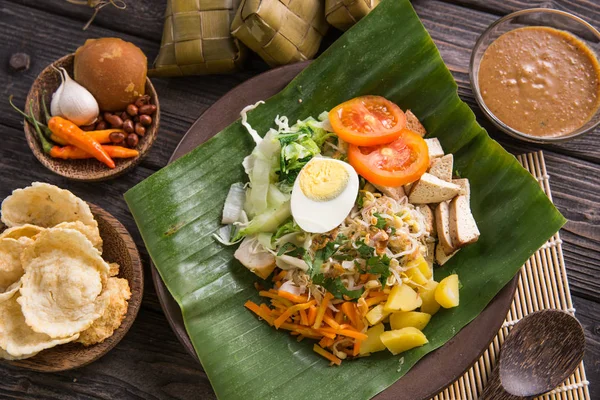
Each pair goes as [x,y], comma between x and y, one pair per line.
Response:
[323,194]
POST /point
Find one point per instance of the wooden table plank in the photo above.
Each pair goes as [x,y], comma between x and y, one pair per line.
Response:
[588,10]
[143,19]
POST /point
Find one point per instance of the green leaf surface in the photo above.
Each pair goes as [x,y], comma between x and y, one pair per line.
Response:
[387,53]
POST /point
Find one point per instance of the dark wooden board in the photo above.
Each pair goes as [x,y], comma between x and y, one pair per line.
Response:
[150,363]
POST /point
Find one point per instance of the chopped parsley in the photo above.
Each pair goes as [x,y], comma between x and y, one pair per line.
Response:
[324,254]
[336,287]
[380,221]
[380,266]
[360,199]
[365,250]
[294,251]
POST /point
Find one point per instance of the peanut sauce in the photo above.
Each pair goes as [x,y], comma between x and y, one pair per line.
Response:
[540,81]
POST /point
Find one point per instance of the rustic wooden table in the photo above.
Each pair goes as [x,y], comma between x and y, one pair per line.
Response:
[150,363]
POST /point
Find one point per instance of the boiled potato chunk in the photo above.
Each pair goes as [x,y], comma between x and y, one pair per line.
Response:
[446,294]
[377,314]
[398,341]
[427,293]
[421,264]
[415,278]
[373,342]
[402,298]
[400,319]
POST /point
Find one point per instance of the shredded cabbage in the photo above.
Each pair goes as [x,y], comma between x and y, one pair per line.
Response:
[244,114]
[234,203]
[259,167]
[267,221]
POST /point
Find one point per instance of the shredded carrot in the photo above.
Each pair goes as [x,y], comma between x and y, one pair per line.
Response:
[279,276]
[252,306]
[312,315]
[303,330]
[345,332]
[356,349]
[273,296]
[265,308]
[321,351]
[329,334]
[290,311]
[323,342]
[339,317]
[328,319]
[279,306]
[321,311]
[278,284]
[303,318]
[292,297]
[349,309]
[309,333]
[376,293]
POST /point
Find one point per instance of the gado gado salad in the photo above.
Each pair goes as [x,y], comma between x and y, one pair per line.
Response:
[345,217]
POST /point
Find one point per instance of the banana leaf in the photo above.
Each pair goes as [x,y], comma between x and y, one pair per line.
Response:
[177,209]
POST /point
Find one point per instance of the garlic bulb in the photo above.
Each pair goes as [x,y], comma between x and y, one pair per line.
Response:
[74,102]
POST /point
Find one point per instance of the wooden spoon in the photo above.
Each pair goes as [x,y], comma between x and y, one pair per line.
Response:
[540,353]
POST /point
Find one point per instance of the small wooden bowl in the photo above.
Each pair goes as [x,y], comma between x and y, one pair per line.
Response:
[90,170]
[118,247]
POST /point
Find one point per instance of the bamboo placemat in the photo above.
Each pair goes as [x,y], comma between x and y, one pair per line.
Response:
[542,284]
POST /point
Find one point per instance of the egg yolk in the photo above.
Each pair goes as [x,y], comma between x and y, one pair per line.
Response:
[323,180]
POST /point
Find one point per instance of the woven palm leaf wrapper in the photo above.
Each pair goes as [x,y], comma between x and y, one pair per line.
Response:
[281,31]
[197,40]
[342,14]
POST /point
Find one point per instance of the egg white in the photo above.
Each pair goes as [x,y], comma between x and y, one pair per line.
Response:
[322,216]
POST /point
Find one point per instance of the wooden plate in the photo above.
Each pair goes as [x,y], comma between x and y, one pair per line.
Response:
[118,247]
[436,370]
[90,170]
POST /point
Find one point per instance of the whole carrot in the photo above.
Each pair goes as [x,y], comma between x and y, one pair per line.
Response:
[74,153]
[71,133]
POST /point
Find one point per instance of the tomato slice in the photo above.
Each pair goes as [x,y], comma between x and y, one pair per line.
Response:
[367,121]
[394,164]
